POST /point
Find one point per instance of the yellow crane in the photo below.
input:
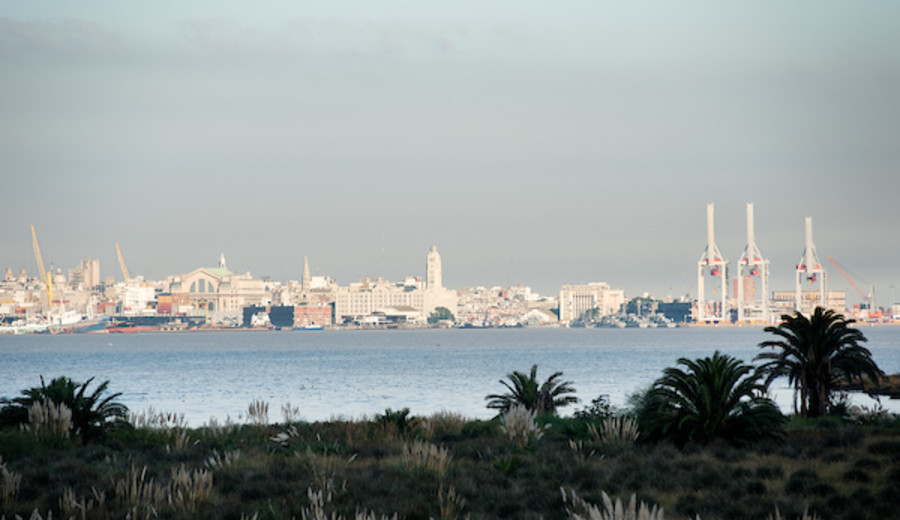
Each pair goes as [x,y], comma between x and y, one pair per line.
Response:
[46,277]
[122,264]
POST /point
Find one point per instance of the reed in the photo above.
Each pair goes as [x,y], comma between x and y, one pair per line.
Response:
[451,504]
[518,423]
[221,461]
[442,424]
[10,483]
[213,429]
[579,509]
[290,414]
[71,506]
[157,420]
[258,412]
[616,431]
[581,452]
[320,508]
[139,495]
[427,456]
[48,420]
[189,488]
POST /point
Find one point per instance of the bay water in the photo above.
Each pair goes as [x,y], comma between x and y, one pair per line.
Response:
[355,373]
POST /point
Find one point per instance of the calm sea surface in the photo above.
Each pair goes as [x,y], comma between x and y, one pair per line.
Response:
[353,373]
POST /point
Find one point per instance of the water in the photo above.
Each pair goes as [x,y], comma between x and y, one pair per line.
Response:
[354,373]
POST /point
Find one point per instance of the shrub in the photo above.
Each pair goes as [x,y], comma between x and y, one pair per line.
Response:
[518,423]
[398,422]
[616,431]
[525,391]
[716,397]
[92,414]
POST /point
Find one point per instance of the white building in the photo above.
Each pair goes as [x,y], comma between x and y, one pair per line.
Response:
[368,297]
[219,290]
[575,300]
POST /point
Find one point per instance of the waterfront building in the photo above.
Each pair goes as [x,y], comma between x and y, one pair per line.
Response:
[359,300]
[785,302]
[575,300]
[436,295]
[219,290]
[369,297]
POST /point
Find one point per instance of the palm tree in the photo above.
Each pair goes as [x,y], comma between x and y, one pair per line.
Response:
[716,397]
[815,353]
[525,390]
[91,413]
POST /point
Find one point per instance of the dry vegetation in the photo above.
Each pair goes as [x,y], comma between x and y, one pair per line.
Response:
[445,467]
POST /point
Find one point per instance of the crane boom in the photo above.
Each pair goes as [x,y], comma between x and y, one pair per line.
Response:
[37,255]
[865,297]
[46,277]
[122,264]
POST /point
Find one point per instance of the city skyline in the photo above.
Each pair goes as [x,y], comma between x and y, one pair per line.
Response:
[533,146]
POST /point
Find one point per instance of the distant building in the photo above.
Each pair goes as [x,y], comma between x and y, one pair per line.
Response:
[785,302]
[86,275]
[435,294]
[575,300]
[378,296]
[217,289]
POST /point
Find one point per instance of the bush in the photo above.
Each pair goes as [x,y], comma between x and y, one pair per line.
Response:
[91,414]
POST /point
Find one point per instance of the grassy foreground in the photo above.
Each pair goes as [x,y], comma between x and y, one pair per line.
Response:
[441,467]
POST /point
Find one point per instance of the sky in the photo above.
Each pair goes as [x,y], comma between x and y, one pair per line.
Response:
[532,142]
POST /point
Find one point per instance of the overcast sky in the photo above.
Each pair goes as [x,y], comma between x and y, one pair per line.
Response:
[533,142]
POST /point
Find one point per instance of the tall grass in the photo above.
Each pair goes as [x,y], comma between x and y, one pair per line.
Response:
[619,431]
[48,420]
[579,509]
[10,482]
[144,497]
[427,456]
[72,506]
[518,423]
[258,412]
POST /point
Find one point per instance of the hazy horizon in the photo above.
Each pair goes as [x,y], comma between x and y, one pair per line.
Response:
[532,143]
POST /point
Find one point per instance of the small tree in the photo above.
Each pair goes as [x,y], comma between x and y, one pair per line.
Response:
[440,314]
[815,353]
[540,398]
[91,413]
[715,397]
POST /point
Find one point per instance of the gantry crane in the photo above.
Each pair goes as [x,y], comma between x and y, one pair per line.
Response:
[46,277]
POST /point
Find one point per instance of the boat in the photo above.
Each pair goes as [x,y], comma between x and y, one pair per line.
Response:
[130,327]
[312,326]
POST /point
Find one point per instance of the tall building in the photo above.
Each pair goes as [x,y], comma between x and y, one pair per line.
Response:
[306,278]
[368,297]
[575,300]
[433,269]
[86,275]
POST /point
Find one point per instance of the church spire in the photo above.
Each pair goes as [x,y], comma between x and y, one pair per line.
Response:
[222,261]
[306,277]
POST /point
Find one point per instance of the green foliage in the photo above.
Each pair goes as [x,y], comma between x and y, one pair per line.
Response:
[815,353]
[397,422]
[440,314]
[717,397]
[540,398]
[92,413]
[507,465]
[496,478]
[599,409]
